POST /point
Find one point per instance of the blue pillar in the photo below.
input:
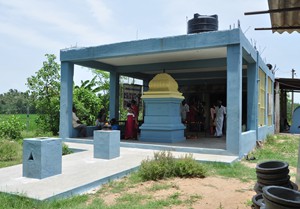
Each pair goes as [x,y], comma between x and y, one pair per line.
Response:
[114,95]
[234,98]
[252,96]
[66,99]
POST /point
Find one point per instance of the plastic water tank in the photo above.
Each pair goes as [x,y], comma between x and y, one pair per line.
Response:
[202,23]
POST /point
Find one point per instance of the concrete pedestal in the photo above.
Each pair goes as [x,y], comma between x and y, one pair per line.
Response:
[42,157]
[106,144]
[162,121]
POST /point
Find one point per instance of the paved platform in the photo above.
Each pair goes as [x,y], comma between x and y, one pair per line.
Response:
[82,173]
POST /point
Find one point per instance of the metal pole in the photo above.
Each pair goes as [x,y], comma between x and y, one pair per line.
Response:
[27,120]
[292,109]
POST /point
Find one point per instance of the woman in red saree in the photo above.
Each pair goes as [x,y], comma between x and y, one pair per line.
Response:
[135,109]
[130,130]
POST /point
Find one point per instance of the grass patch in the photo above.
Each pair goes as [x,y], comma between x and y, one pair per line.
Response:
[9,201]
[160,186]
[27,120]
[10,153]
[278,147]
[134,198]
[235,170]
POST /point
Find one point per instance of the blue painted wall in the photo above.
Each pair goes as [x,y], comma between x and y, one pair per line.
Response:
[295,126]
[247,142]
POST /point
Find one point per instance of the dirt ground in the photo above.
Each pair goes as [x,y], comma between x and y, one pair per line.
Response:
[205,193]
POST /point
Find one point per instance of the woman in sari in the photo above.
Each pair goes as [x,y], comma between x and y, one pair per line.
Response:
[130,124]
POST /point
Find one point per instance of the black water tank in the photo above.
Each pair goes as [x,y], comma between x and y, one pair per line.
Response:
[202,23]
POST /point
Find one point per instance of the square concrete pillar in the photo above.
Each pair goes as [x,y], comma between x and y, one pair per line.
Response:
[106,144]
[42,157]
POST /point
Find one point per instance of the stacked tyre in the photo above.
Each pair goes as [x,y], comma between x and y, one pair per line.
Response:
[271,173]
[277,197]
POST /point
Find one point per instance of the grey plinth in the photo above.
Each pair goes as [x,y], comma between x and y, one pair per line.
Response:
[106,144]
[42,157]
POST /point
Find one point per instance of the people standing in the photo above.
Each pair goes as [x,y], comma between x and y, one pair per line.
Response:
[184,109]
[77,124]
[193,113]
[220,115]
[130,123]
[212,119]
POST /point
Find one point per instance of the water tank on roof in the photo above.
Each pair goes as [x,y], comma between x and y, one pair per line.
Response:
[202,23]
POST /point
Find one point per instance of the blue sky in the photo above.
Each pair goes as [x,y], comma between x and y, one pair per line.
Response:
[32,28]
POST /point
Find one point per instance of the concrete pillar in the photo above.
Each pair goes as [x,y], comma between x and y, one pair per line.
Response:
[234,98]
[114,95]
[106,144]
[66,99]
[42,157]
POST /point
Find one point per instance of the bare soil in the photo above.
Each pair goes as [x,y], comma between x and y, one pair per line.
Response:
[202,193]
[199,193]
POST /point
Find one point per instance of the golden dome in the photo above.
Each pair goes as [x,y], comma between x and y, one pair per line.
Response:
[163,86]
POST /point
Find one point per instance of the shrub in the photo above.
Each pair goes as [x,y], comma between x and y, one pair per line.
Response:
[158,168]
[164,165]
[9,150]
[66,150]
[188,167]
[11,128]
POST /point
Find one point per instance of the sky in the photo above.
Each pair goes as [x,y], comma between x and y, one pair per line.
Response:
[32,28]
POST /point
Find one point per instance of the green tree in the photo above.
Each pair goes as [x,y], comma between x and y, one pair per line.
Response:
[87,104]
[45,89]
[15,102]
[102,81]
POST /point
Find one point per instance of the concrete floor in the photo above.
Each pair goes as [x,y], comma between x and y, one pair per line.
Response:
[81,172]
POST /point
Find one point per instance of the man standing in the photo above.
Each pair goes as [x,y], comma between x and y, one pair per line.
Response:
[184,109]
[220,113]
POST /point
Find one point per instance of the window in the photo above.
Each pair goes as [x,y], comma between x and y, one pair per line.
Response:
[262,98]
[270,102]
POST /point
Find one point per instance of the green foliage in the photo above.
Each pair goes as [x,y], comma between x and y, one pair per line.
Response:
[29,120]
[278,147]
[66,150]
[45,89]
[164,165]
[234,170]
[10,150]
[15,102]
[187,167]
[9,201]
[11,128]
[87,104]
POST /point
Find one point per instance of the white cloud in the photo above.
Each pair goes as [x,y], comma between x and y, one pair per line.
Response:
[102,13]
[56,18]
[29,37]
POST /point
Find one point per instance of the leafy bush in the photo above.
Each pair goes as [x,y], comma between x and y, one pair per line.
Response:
[9,150]
[11,128]
[164,165]
[66,150]
[188,167]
